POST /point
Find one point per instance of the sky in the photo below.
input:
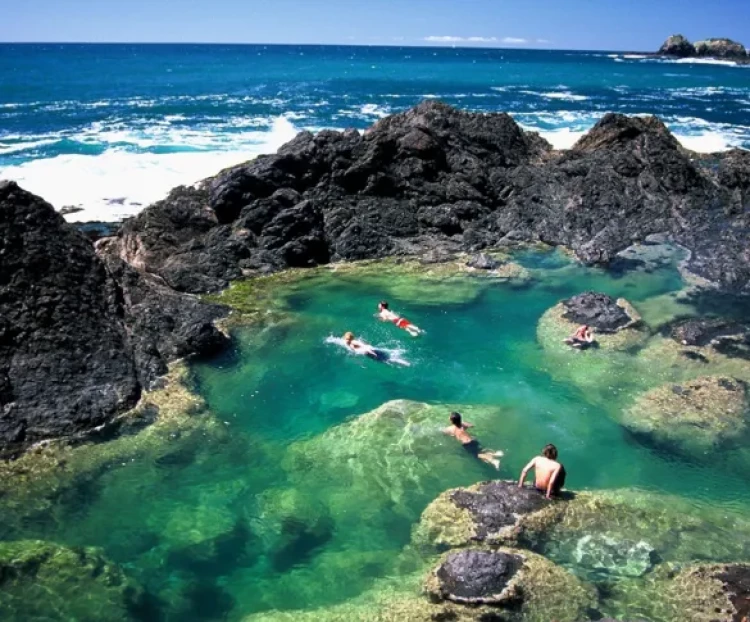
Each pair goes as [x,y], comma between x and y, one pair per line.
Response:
[638,25]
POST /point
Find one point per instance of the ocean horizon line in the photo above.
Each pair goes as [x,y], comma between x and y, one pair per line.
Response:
[518,48]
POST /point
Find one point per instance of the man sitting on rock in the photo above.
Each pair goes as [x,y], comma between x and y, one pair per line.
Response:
[386,315]
[549,473]
[458,428]
[582,338]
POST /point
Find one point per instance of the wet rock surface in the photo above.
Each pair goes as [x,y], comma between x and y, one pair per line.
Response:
[481,577]
[436,179]
[497,505]
[600,311]
[703,415]
[728,337]
[79,338]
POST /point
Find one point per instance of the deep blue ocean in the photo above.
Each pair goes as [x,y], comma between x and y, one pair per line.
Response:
[112,127]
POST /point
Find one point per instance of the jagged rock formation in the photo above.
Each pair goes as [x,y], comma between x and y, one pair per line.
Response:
[720,48]
[679,46]
[79,339]
[435,179]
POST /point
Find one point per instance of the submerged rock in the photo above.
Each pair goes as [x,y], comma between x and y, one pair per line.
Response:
[703,415]
[482,262]
[716,593]
[45,581]
[725,336]
[603,554]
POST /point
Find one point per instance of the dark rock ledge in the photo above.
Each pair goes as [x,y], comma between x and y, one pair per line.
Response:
[83,332]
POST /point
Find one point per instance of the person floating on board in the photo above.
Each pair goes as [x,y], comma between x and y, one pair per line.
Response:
[582,338]
[386,315]
[458,428]
[548,472]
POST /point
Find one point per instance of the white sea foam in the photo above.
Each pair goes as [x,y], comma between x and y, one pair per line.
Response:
[133,179]
[634,56]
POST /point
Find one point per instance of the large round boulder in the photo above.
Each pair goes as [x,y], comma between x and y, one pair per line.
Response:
[489,512]
[703,415]
[512,585]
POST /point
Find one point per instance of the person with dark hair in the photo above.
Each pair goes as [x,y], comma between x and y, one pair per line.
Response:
[458,428]
[386,315]
[548,472]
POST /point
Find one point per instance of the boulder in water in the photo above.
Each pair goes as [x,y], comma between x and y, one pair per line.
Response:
[600,311]
[703,415]
[720,48]
[489,512]
[480,577]
[677,45]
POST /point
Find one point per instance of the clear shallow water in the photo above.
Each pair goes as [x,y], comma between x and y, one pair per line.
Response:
[114,127]
[293,510]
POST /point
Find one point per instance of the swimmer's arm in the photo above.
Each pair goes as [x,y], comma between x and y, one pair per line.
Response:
[525,472]
[552,479]
[467,425]
[448,431]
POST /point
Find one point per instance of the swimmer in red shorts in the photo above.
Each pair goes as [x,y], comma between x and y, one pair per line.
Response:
[386,315]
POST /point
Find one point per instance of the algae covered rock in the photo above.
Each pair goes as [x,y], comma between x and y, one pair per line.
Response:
[514,585]
[708,593]
[720,48]
[44,581]
[702,415]
[616,323]
[487,512]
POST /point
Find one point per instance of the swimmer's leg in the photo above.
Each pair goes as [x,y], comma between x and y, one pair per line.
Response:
[490,459]
[413,330]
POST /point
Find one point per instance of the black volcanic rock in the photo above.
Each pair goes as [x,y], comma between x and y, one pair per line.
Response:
[79,341]
[478,577]
[64,358]
[439,180]
[677,45]
[599,311]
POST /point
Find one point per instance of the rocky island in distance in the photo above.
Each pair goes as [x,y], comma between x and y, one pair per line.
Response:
[678,46]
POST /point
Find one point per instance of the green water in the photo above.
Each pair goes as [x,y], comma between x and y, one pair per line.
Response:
[285,513]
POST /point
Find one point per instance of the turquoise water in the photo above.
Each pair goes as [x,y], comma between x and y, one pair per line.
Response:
[289,511]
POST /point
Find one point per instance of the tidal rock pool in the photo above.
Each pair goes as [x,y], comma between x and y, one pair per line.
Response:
[294,480]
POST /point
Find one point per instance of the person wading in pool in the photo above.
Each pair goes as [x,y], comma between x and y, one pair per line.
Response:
[458,428]
[386,315]
[548,472]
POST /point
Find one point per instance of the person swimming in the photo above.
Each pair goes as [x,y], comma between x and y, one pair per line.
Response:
[382,355]
[549,474]
[386,315]
[457,430]
[582,338]
[360,347]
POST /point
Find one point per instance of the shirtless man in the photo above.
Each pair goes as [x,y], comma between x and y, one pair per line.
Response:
[458,428]
[549,473]
[386,315]
[582,338]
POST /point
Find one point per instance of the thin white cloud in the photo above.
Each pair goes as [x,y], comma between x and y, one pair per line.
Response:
[515,40]
[543,41]
[454,39]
